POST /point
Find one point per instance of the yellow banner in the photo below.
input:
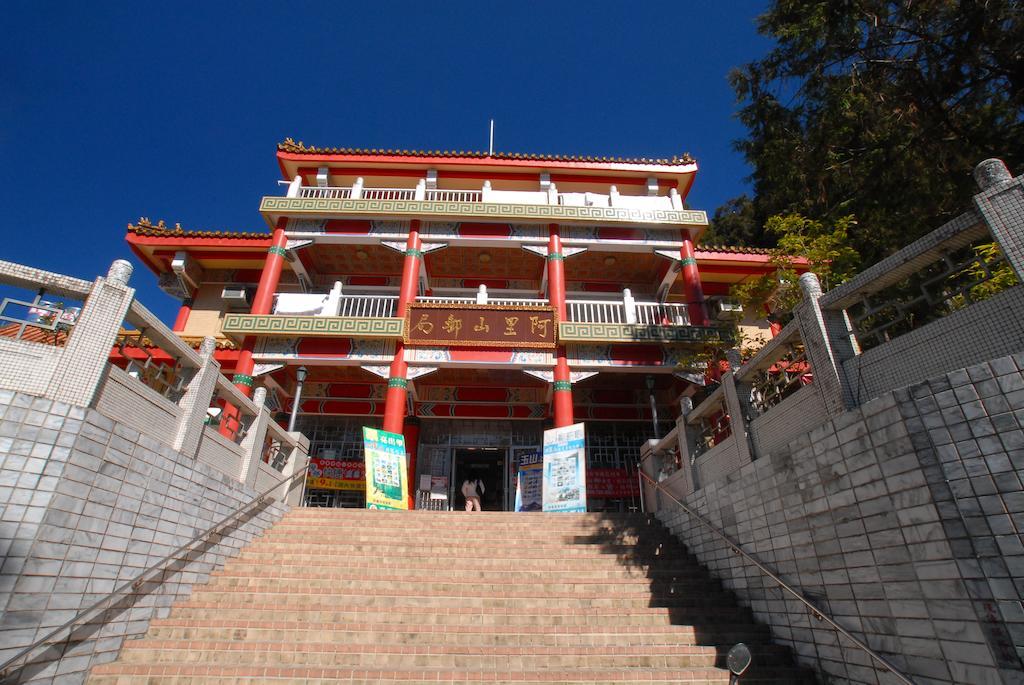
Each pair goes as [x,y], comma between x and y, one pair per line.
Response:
[385,469]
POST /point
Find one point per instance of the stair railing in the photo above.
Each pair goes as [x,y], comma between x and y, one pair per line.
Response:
[131,585]
[815,611]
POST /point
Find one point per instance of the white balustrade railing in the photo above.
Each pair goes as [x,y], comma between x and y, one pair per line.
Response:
[662,314]
[596,311]
[325,193]
[503,301]
[368,305]
[388,194]
[487,194]
[455,195]
[615,311]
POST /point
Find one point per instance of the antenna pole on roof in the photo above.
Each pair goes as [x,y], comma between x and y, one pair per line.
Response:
[490,147]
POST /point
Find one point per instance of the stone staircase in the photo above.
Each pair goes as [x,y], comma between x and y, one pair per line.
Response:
[335,595]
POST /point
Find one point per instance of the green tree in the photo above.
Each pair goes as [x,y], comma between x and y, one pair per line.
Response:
[826,250]
[880,110]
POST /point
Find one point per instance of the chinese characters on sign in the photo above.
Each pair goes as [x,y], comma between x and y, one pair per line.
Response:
[385,469]
[335,474]
[481,325]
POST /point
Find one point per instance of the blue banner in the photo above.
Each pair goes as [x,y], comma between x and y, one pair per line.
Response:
[565,469]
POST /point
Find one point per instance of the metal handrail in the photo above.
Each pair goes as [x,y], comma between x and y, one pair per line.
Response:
[137,581]
[815,611]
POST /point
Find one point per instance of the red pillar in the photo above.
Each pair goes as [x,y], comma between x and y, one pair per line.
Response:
[562,399]
[183,314]
[262,303]
[394,402]
[411,431]
[691,282]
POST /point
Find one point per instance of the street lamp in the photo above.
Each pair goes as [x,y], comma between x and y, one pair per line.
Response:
[654,405]
[300,378]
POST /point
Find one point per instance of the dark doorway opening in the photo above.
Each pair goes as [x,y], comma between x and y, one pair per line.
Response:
[486,464]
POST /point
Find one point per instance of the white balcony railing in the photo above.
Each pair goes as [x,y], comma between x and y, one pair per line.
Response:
[625,311]
[454,195]
[505,301]
[388,194]
[619,311]
[368,305]
[549,196]
[315,193]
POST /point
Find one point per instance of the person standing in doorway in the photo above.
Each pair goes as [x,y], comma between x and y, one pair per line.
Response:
[473,490]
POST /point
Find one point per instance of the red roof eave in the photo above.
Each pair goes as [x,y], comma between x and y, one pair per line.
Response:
[674,169]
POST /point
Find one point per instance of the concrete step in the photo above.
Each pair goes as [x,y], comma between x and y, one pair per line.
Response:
[479,635]
[337,552]
[159,674]
[356,596]
[286,598]
[399,656]
[421,583]
[417,614]
[509,573]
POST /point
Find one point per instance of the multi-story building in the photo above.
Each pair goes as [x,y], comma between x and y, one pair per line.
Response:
[467,300]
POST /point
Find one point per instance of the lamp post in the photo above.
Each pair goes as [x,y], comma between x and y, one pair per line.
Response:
[300,378]
[654,405]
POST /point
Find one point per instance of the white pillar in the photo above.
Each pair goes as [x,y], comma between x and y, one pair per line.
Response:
[294,187]
[196,401]
[86,355]
[629,304]
[481,294]
[254,440]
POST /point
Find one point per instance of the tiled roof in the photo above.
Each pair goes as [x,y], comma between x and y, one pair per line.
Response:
[733,249]
[161,230]
[290,145]
[131,339]
[34,334]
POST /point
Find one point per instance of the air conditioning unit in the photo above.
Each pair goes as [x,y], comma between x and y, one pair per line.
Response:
[235,295]
[728,311]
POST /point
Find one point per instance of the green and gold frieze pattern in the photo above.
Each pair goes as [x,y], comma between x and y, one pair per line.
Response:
[312,326]
[504,211]
[639,333]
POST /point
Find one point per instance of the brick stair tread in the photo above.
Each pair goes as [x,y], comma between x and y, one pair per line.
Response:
[404,613]
[293,583]
[303,631]
[696,675]
[360,596]
[296,571]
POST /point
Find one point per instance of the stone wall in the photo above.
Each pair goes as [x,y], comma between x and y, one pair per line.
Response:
[985,330]
[89,502]
[901,519]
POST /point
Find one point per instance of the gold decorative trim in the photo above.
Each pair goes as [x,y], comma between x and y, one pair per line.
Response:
[299,207]
[638,333]
[239,325]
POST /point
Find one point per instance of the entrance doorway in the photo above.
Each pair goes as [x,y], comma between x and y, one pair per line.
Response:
[486,464]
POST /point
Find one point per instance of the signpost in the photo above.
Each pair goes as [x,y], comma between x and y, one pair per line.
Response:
[565,467]
[386,476]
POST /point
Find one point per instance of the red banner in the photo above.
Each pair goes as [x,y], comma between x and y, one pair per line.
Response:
[611,483]
[336,474]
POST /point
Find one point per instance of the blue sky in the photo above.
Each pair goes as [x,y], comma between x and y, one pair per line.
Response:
[112,111]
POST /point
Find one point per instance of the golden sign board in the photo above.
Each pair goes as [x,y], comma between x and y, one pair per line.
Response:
[481,325]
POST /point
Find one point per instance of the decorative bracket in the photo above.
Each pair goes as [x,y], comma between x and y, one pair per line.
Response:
[264,369]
